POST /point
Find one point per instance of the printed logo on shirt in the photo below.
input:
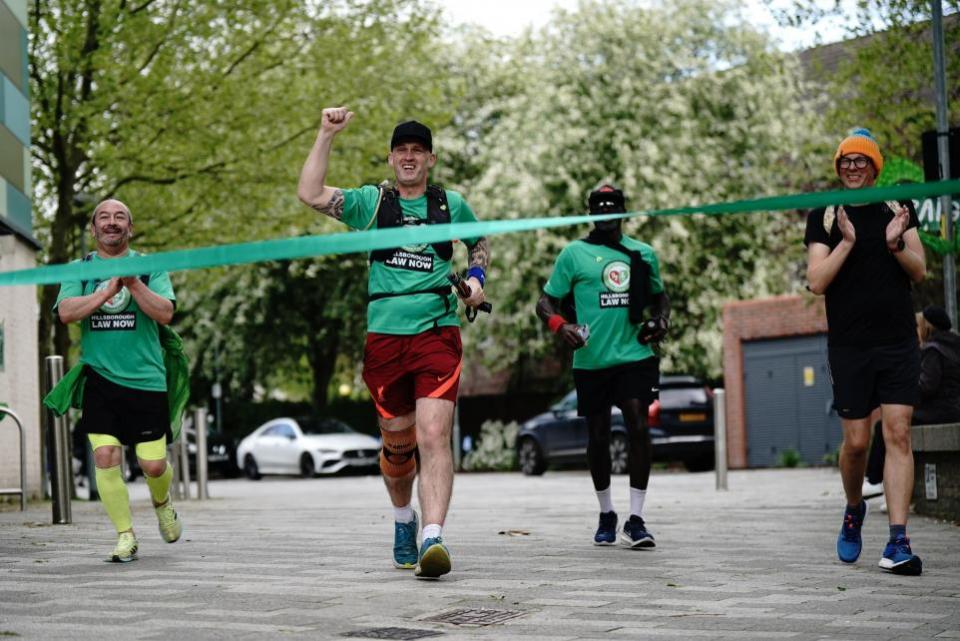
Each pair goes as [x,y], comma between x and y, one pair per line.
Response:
[119,302]
[113,322]
[616,276]
[411,261]
[416,248]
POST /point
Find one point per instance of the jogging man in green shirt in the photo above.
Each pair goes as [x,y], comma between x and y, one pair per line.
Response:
[412,357]
[611,279]
[125,391]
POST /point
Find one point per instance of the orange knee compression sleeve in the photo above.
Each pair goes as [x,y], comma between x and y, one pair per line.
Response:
[397,455]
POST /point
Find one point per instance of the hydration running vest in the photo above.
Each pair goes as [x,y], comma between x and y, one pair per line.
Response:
[390,214]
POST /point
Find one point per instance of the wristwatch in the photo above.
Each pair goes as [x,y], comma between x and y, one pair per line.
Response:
[900,246]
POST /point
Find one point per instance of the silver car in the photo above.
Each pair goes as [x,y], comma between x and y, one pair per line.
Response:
[306,446]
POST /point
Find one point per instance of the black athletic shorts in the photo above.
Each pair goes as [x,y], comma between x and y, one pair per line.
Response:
[131,415]
[600,389]
[864,378]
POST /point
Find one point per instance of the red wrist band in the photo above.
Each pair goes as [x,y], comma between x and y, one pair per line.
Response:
[555,322]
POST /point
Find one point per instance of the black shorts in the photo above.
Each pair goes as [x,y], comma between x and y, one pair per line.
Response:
[600,389]
[131,415]
[864,378]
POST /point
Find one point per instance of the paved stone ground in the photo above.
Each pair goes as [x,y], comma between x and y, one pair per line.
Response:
[309,559]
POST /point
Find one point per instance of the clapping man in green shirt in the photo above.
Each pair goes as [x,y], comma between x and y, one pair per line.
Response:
[125,388]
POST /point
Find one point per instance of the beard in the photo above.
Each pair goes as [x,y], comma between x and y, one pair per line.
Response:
[607,226]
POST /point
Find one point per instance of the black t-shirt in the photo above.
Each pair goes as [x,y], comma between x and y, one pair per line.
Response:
[868,302]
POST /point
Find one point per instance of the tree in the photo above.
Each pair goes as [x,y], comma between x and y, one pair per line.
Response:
[885,83]
[677,105]
[291,324]
[199,115]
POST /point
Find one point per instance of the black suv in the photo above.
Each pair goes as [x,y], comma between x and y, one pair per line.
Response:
[681,427]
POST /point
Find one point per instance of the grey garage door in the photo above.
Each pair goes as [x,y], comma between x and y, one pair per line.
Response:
[789,400]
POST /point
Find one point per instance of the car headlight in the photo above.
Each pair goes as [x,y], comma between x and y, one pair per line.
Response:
[327,452]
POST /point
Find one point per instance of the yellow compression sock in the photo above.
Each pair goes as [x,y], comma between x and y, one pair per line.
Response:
[114,496]
[159,485]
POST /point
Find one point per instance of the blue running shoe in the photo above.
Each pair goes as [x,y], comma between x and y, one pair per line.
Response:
[434,559]
[606,530]
[849,542]
[405,544]
[635,534]
[900,559]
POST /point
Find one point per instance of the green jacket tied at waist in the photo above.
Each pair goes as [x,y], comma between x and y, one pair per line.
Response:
[69,391]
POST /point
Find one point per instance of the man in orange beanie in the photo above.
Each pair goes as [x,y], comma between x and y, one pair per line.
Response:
[864,258]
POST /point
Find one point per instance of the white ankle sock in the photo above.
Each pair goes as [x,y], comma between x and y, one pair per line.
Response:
[431,531]
[606,500]
[403,514]
[636,501]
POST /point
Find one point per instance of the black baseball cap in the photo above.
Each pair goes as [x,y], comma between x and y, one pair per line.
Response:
[412,131]
[607,199]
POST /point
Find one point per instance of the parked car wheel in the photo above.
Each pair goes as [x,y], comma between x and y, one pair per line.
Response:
[699,464]
[531,458]
[619,451]
[308,469]
[250,468]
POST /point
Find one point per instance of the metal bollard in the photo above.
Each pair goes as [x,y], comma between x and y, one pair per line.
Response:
[58,437]
[184,456]
[457,445]
[175,490]
[720,437]
[200,424]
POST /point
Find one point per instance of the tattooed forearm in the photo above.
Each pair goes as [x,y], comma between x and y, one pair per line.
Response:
[480,254]
[334,206]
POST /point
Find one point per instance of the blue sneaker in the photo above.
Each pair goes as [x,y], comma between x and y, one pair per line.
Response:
[606,530]
[405,544]
[849,542]
[434,559]
[899,559]
[635,534]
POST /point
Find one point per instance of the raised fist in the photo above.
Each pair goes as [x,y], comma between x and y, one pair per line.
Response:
[335,119]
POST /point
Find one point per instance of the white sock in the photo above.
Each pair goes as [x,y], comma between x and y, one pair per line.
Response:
[606,500]
[403,514]
[431,531]
[636,501]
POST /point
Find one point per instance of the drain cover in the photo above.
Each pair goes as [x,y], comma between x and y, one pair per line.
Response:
[475,616]
[400,634]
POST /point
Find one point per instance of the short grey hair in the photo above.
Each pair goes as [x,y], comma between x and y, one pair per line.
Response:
[93,216]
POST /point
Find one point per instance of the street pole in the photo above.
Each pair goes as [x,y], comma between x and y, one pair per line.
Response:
[720,437]
[943,151]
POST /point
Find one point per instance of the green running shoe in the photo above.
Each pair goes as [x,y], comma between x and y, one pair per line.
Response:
[434,559]
[405,544]
[126,548]
[169,521]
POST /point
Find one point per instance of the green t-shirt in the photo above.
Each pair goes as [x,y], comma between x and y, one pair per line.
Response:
[413,268]
[600,280]
[119,341]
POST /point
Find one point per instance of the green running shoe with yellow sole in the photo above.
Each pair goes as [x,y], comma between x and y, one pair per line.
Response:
[169,521]
[126,548]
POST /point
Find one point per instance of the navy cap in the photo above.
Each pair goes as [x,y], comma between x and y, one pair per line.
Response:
[411,131]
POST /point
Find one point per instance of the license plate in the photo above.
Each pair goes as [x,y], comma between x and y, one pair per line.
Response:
[692,417]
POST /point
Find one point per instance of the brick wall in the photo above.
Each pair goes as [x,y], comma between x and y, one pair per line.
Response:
[777,317]
[19,378]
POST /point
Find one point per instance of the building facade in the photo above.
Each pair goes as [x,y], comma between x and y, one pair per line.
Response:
[19,372]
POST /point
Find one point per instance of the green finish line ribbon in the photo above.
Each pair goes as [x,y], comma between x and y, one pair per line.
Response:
[364,241]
